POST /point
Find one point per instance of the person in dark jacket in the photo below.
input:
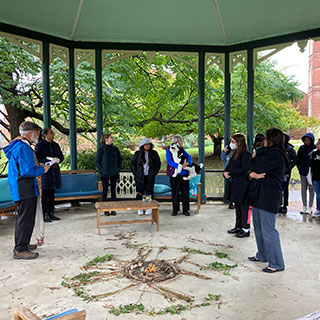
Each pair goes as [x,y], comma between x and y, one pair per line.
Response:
[108,162]
[237,172]
[315,172]
[178,184]
[47,150]
[266,171]
[303,167]
[145,165]
[293,159]
[24,190]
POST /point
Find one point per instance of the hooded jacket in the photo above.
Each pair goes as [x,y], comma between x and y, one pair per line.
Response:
[138,160]
[303,155]
[22,170]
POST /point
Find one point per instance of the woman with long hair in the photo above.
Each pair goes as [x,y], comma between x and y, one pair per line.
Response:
[108,162]
[267,169]
[145,165]
[236,172]
[47,150]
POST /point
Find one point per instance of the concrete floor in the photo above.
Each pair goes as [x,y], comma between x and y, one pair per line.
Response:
[248,293]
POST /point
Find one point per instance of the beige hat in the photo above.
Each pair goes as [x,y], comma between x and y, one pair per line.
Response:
[28,126]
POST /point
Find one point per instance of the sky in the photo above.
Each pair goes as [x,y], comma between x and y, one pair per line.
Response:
[292,62]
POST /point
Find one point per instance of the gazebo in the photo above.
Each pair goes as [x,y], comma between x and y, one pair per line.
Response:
[222,32]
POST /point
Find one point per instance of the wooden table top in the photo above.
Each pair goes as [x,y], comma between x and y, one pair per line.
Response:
[126,205]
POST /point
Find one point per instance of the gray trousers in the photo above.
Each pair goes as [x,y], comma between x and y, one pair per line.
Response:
[304,186]
[267,238]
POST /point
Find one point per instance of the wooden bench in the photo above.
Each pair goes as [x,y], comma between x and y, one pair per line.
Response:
[78,185]
[127,206]
[22,313]
[8,207]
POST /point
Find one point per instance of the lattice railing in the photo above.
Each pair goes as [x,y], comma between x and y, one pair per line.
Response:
[126,187]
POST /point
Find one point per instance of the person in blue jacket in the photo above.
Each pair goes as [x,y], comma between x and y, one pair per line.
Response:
[23,170]
[178,184]
[303,167]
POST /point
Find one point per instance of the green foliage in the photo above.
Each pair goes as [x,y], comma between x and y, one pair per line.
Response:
[219,266]
[222,255]
[126,158]
[97,260]
[195,251]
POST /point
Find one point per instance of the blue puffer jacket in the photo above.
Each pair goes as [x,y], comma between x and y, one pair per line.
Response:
[22,170]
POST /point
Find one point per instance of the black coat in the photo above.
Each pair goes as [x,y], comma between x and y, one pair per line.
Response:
[266,193]
[138,161]
[52,179]
[238,170]
[108,161]
[292,157]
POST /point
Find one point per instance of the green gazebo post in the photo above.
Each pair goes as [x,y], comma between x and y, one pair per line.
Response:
[99,116]
[46,85]
[250,99]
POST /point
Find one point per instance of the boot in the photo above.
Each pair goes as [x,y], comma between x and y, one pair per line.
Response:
[46,217]
[53,217]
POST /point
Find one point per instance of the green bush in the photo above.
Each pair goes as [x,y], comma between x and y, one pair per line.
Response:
[86,160]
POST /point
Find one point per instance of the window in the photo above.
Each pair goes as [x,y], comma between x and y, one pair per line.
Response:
[311,46]
[310,76]
[310,107]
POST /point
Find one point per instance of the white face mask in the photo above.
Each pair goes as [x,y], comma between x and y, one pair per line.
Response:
[232,145]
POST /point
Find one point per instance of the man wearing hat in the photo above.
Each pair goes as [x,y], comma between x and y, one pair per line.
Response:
[23,186]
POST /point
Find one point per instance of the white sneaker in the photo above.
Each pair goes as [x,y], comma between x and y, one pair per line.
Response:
[140,211]
[309,210]
[149,211]
[304,210]
[316,214]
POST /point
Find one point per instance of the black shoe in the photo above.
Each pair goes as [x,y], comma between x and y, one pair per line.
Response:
[234,230]
[107,213]
[46,218]
[243,234]
[174,213]
[232,206]
[283,210]
[113,213]
[53,217]
[186,213]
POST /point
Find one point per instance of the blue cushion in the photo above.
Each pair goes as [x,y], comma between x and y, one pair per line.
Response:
[62,314]
[5,190]
[161,188]
[7,204]
[78,183]
[77,194]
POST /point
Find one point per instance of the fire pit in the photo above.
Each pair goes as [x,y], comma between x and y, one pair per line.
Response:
[151,271]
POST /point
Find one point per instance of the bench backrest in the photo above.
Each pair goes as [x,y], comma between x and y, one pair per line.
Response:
[5,194]
[78,182]
[162,179]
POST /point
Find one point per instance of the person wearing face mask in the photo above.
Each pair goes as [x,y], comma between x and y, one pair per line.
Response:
[46,150]
[108,162]
[23,170]
[236,171]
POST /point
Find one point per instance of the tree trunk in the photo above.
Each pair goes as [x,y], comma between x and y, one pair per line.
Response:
[217,142]
[15,117]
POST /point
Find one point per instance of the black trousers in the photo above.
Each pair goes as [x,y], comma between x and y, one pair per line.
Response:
[285,192]
[145,188]
[105,185]
[48,200]
[178,185]
[25,223]
[242,215]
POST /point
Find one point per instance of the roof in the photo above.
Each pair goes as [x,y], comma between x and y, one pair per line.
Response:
[165,22]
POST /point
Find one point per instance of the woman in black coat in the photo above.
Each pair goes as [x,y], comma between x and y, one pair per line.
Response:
[108,162]
[145,165]
[237,172]
[47,150]
[267,171]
